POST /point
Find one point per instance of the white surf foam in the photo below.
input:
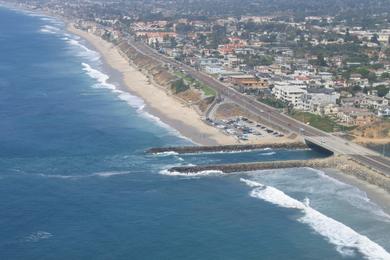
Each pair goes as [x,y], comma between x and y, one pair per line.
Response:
[268,154]
[343,237]
[191,174]
[131,100]
[37,236]
[168,153]
[49,29]
[358,198]
[82,50]
[109,174]
[179,158]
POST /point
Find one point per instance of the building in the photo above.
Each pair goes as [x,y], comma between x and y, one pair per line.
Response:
[288,93]
[156,37]
[384,111]
[248,81]
[315,100]
[355,116]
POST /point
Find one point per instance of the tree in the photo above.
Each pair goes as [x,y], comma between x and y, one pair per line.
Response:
[375,39]
[217,36]
[382,90]
[321,60]
[385,75]
[179,86]
[371,77]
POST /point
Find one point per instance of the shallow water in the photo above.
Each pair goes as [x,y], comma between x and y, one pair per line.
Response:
[75,182]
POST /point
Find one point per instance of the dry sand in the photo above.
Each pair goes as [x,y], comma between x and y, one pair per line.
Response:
[159,103]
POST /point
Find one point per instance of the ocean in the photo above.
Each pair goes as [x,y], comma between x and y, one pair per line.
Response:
[75,182]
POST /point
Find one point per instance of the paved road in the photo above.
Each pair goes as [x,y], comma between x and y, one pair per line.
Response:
[377,162]
[274,116]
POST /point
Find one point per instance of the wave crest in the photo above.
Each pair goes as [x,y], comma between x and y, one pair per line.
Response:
[191,174]
[49,29]
[37,236]
[131,100]
[343,237]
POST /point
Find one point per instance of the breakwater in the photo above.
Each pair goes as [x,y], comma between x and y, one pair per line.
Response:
[226,148]
[244,167]
[342,163]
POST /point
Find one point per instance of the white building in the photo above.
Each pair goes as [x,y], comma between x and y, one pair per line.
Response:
[214,69]
[288,93]
[316,100]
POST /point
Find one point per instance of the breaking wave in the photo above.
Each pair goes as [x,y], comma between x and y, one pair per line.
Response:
[268,154]
[167,153]
[131,100]
[354,196]
[191,174]
[37,236]
[84,51]
[49,29]
[346,240]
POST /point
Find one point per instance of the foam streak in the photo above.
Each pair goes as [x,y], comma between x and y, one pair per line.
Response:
[343,237]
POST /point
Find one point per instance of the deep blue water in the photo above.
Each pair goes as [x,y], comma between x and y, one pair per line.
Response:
[75,182]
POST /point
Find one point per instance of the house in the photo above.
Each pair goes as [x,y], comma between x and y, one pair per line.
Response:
[248,81]
[211,62]
[214,69]
[156,37]
[357,80]
[355,116]
[384,111]
[244,51]
[232,61]
[370,101]
[229,48]
[330,110]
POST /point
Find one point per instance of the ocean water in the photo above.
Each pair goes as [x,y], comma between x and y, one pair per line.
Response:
[75,182]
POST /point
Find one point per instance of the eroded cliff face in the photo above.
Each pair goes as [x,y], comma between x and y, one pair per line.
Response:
[164,77]
[377,130]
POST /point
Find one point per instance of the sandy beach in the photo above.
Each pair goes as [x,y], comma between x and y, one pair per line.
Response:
[374,193]
[158,102]
[185,119]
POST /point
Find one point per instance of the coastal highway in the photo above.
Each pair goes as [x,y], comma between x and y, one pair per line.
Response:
[331,142]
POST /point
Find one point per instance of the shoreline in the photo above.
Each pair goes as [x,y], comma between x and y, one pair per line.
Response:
[374,193]
[158,102]
[136,83]
[178,116]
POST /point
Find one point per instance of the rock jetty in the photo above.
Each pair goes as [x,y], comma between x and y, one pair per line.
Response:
[226,148]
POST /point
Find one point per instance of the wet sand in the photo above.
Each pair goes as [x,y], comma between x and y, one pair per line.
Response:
[374,193]
[158,102]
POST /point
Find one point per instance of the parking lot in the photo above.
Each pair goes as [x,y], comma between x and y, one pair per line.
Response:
[244,129]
